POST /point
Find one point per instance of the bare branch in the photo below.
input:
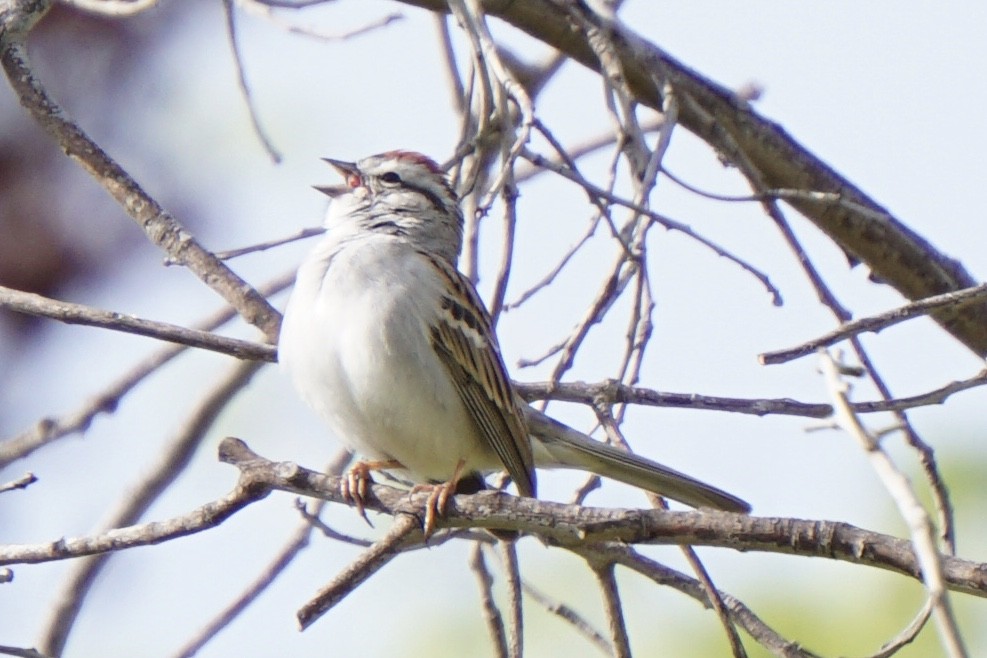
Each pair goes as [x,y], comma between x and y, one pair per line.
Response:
[21,653]
[31,304]
[23,482]
[173,461]
[159,226]
[508,555]
[666,577]
[113,8]
[51,429]
[563,611]
[265,9]
[920,525]
[570,526]
[491,614]
[877,323]
[406,530]
[614,392]
[614,612]
[241,74]
[895,254]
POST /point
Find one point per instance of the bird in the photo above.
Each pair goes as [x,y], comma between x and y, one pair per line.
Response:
[393,347]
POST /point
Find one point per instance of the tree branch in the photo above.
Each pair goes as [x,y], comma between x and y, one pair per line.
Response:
[877,323]
[32,304]
[16,18]
[569,526]
[859,225]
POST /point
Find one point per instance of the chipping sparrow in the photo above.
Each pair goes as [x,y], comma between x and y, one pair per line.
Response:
[392,346]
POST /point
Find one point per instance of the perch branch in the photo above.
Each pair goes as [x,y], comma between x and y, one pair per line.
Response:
[570,526]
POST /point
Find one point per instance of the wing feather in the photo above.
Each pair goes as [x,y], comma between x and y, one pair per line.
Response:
[465,342]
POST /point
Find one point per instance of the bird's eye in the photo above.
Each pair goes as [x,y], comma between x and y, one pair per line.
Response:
[390,177]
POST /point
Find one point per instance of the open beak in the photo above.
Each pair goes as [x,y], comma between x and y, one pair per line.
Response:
[350,174]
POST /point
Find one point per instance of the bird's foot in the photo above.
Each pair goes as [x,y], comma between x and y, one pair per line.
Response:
[438,498]
[354,484]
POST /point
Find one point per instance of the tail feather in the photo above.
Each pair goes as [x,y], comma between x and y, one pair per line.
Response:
[556,445]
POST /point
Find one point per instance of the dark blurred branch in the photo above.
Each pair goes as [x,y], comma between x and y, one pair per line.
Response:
[16,19]
[21,653]
[765,152]
[173,460]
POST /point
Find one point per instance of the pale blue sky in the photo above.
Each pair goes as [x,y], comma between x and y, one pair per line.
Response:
[889,94]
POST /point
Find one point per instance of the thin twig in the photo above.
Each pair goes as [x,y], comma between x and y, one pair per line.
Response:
[667,577]
[714,598]
[23,482]
[661,219]
[940,493]
[907,634]
[614,612]
[265,9]
[281,561]
[508,556]
[292,548]
[21,652]
[317,523]
[565,612]
[303,234]
[267,576]
[831,198]
[456,88]
[509,195]
[241,74]
[406,529]
[547,280]
[491,613]
[920,525]
[876,323]
[566,160]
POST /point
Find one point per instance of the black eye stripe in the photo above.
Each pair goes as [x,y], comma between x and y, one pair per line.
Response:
[433,198]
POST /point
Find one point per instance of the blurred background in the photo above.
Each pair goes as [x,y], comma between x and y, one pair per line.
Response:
[887,94]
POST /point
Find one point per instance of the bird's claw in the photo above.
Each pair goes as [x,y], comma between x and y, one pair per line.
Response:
[436,504]
[353,487]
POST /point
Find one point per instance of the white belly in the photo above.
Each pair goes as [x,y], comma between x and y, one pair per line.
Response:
[356,343]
